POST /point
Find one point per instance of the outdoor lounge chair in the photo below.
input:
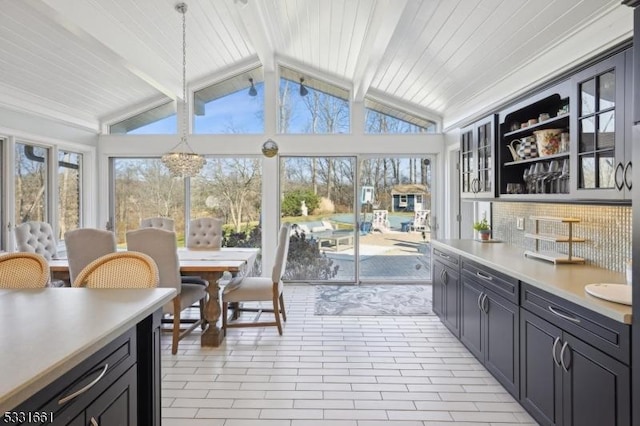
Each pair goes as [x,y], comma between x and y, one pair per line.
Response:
[380,221]
[420,221]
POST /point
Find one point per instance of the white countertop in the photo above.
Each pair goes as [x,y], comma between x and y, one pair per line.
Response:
[44,333]
[566,281]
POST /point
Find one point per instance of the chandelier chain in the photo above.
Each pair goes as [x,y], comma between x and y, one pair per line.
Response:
[184,72]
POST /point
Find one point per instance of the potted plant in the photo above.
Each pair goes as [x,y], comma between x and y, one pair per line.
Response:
[483,228]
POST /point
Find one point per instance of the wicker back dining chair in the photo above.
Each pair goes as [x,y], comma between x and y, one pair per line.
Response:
[85,245]
[260,289]
[162,247]
[127,269]
[23,270]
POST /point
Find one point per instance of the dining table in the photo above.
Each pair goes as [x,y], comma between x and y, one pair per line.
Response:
[208,264]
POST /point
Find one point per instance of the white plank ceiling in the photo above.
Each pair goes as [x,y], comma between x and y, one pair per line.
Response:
[84,62]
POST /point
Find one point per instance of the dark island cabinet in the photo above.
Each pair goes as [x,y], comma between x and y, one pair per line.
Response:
[568,382]
[119,385]
[446,290]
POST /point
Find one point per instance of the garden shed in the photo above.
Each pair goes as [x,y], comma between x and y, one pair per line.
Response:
[410,197]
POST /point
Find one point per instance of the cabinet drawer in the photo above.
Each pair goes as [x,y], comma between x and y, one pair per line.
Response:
[606,334]
[88,380]
[498,282]
[446,257]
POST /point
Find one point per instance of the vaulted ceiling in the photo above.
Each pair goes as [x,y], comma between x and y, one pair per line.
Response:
[84,62]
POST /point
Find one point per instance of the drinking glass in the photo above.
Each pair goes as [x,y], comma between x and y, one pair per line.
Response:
[552,176]
[564,177]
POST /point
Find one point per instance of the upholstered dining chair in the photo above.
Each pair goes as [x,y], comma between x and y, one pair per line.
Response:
[260,289]
[162,247]
[37,237]
[85,245]
[158,222]
[127,269]
[23,270]
[205,234]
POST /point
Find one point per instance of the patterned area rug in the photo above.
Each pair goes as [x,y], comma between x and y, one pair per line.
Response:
[373,299]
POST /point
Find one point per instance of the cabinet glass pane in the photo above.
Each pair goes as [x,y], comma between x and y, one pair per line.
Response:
[587,165]
[606,130]
[586,135]
[588,97]
[607,93]
[606,169]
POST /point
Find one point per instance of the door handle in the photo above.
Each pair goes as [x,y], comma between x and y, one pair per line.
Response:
[94,422]
[485,304]
[483,276]
[479,301]
[84,389]
[627,168]
[619,183]
[565,316]
[445,277]
[565,367]
[553,351]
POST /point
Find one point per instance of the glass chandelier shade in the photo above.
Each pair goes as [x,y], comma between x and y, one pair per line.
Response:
[182,161]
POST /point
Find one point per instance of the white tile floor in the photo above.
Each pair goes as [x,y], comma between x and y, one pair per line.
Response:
[333,371]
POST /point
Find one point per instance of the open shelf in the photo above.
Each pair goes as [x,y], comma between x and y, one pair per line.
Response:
[554,238]
[554,257]
[542,125]
[536,159]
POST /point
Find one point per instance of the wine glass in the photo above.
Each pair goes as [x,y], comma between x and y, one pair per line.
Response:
[525,177]
[552,176]
[564,177]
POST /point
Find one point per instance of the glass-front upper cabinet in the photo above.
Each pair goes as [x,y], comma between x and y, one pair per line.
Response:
[477,145]
[601,152]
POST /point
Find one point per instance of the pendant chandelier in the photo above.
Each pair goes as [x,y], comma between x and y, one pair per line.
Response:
[182,161]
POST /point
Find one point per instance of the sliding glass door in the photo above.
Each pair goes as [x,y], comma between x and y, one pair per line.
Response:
[317,196]
[357,219]
[396,217]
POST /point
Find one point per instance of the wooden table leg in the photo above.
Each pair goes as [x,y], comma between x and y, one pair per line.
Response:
[212,335]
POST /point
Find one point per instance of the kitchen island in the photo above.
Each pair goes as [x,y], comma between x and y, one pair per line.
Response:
[70,355]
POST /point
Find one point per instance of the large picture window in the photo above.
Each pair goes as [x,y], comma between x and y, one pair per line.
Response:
[69,191]
[143,187]
[308,105]
[160,120]
[235,105]
[31,183]
[381,118]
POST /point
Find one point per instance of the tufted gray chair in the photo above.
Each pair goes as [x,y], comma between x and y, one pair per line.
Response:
[36,237]
[205,234]
[158,222]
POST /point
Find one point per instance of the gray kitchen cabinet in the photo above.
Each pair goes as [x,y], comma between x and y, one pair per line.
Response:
[477,159]
[489,324]
[601,122]
[446,289]
[568,382]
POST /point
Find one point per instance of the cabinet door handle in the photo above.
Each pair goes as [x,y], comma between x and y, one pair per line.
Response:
[627,168]
[619,183]
[483,276]
[565,367]
[485,304]
[84,389]
[479,301]
[553,351]
[445,277]
[94,422]
[565,316]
